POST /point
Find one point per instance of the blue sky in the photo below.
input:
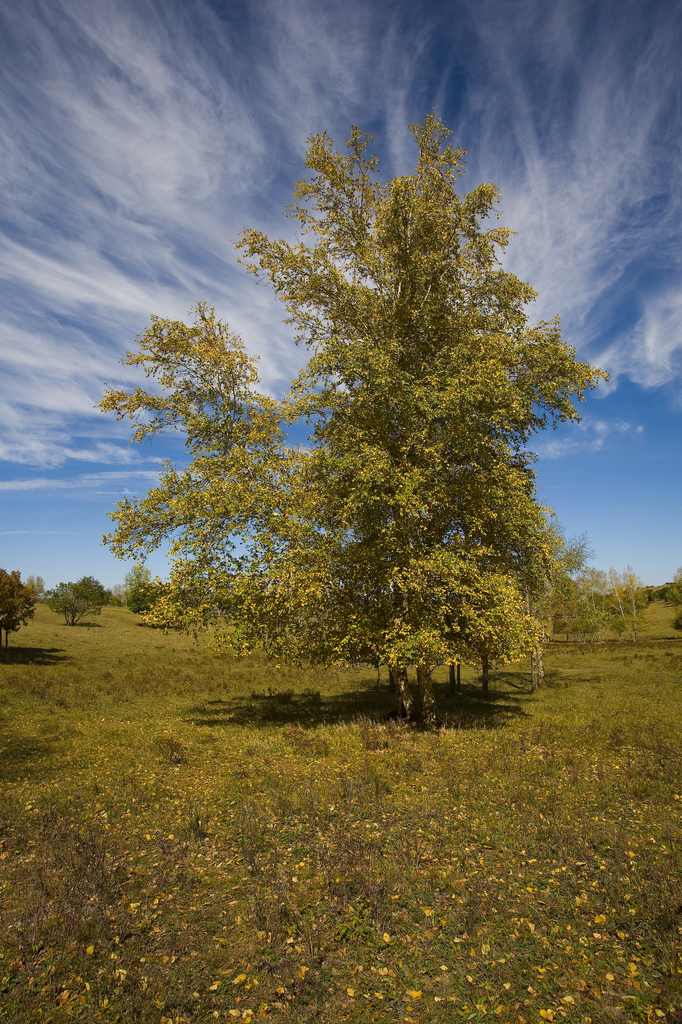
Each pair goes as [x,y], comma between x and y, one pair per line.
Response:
[139,138]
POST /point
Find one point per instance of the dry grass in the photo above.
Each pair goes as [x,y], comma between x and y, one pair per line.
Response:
[188,839]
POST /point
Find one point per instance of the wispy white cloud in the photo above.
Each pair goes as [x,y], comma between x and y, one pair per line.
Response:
[43,452]
[651,351]
[137,145]
[590,435]
[86,480]
[139,140]
[576,118]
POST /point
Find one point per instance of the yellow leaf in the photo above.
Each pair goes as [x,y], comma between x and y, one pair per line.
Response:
[90,950]
[414,993]
[239,979]
[600,919]
[214,987]
[350,991]
[609,977]
[387,937]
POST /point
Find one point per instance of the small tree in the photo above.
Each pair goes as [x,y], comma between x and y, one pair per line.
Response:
[74,600]
[629,603]
[38,584]
[580,606]
[141,593]
[145,597]
[674,594]
[17,603]
[137,577]
[674,589]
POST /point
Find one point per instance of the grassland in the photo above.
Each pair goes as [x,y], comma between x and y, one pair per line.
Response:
[184,838]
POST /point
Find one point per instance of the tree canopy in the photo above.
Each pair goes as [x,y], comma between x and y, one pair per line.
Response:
[408,530]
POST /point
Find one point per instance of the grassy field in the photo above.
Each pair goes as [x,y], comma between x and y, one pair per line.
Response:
[184,838]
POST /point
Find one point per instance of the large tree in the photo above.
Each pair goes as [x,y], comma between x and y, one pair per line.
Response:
[408,531]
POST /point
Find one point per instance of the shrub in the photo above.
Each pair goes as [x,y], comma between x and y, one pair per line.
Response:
[74,600]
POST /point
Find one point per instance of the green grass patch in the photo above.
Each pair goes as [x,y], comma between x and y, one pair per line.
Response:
[186,838]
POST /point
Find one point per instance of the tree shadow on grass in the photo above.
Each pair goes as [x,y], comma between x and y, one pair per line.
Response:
[517,680]
[33,656]
[471,710]
[309,708]
[24,757]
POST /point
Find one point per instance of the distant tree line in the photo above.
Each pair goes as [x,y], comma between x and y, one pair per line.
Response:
[87,596]
[592,603]
[584,605]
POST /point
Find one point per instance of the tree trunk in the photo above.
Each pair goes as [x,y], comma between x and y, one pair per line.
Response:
[484,675]
[427,702]
[391,680]
[455,680]
[534,677]
[404,696]
[541,667]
